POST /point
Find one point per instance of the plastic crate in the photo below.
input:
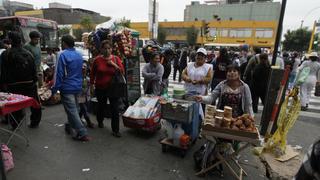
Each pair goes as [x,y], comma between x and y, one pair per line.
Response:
[151,125]
[177,113]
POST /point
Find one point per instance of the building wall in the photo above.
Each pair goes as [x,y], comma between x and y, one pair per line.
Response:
[59,5]
[253,33]
[65,16]
[262,11]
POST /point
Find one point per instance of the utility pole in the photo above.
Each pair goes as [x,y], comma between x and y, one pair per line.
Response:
[153,19]
[279,32]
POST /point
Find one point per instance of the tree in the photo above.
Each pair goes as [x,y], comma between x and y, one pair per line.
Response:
[297,40]
[64,30]
[86,23]
[124,22]
[192,35]
[162,35]
[78,34]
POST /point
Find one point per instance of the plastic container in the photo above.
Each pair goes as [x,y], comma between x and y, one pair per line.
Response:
[184,140]
[177,133]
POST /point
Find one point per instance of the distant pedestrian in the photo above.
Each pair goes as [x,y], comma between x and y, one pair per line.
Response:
[312,79]
[294,68]
[260,81]
[166,59]
[68,80]
[176,64]
[183,63]
[152,73]
[220,69]
[34,48]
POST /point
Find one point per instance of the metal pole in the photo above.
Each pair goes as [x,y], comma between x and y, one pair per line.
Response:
[312,37]
[279,32]
[153,18]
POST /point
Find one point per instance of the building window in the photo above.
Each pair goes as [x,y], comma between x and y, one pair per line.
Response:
[240,33]
[213,32]
[224,32]
[176,31]
[264,33]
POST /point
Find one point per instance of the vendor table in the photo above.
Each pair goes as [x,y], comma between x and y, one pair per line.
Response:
[225,158]
[10,103]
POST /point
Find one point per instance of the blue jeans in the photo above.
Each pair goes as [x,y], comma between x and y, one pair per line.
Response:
[71,106]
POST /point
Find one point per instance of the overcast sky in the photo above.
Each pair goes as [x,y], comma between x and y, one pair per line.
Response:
[172,10]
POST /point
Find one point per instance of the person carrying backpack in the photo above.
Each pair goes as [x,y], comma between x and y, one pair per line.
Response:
[19,76]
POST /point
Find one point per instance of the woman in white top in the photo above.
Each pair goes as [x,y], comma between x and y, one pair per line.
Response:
[311,81]
[198,74]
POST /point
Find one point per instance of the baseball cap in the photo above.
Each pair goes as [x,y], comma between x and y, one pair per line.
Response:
[313,54]
[203,51]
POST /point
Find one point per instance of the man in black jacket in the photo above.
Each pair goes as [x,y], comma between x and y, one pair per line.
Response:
[19,76]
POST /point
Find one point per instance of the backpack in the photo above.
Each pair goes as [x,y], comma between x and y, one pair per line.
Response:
[23,63]
[289,61]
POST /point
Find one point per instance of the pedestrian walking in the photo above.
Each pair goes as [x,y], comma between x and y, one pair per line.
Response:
[166,59]
[295,62]
[176,64]
[34,48]
[104,68]
[68,80]
[183,63]
[19,76]
[220,68]
[260,79]
[313,78]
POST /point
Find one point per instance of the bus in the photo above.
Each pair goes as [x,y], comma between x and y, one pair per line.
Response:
[24,25]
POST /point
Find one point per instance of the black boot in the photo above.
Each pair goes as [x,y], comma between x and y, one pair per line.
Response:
[89,123]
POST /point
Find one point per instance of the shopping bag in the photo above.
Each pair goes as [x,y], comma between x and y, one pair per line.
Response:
[7,158]
[118,85]
[302,76]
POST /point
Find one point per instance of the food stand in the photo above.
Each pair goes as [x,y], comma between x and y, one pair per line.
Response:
[14,102]
[221,131]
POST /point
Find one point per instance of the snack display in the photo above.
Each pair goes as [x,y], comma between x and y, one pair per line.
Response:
[223,119]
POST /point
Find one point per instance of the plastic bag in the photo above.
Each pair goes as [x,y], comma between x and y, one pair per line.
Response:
[287,117]
[7,158]
[302,76]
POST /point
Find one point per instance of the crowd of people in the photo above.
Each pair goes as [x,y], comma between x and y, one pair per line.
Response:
[238,79]
[228,78]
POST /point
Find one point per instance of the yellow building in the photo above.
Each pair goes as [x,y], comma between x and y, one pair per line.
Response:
[253,33]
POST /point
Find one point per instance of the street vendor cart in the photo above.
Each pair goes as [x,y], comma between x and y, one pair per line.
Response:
[182,122]
[224,135]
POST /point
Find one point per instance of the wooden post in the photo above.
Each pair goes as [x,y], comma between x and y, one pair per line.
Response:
[312,37]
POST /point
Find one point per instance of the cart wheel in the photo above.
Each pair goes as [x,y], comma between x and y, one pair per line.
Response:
[164,148]
[183,153]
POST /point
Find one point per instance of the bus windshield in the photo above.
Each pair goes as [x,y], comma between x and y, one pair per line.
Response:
[25,25]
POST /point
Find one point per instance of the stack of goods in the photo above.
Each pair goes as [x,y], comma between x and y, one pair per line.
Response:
[8,98]
[178,93]
[144,108]
[122,42]
[223,119]
[210,114]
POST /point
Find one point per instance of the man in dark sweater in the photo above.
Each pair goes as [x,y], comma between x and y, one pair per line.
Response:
[19,76]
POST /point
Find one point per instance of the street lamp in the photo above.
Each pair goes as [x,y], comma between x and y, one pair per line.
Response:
[302,21]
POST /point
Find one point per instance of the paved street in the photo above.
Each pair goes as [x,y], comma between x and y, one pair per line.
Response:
[53,155]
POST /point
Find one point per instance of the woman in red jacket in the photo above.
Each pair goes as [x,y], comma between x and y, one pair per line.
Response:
[103,69]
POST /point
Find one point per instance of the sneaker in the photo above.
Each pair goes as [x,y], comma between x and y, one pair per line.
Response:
[84,138]
[307,105]
[116,134]
[304,108]
[67,128]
